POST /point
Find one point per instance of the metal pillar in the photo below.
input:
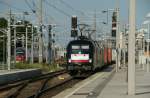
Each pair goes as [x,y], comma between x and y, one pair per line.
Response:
[32,46]
[50,44]
[52,48]
[95,24]
[46,55]
[148,48]
[22,39]
[124,47]
[14,45]
[124,58]
[4,45]
[40,33]
[131,49]
[117,42]
[143,54]
[26,43]
[124,52]
[9,43]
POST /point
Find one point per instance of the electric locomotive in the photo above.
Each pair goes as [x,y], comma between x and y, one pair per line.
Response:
[20,54]
[84,55]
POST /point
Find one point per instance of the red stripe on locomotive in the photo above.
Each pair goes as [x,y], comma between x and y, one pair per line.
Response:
[80,61]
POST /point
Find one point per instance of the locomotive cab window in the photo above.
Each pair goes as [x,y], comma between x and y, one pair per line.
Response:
[80,49]
[75,47]
[20,52]
[85,47]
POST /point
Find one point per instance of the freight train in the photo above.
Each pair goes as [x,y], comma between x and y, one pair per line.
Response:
[85,55]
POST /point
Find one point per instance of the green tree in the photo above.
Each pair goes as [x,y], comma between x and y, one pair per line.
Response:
[3,26]
[3,23]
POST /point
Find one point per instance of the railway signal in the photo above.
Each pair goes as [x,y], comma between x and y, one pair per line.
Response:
[74,31]
[49,44]
[114,24]
[74,22]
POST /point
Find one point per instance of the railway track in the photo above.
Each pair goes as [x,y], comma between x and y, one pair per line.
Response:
[34,88]
[44,86]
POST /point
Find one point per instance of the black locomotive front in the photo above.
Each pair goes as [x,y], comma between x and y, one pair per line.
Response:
[80,56]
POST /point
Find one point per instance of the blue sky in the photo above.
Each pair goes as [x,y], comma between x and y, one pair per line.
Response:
[85,5]
[75,7]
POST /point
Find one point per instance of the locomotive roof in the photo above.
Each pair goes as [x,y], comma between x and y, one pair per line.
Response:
[81,40]
[78,41]
[20,48]
[84,39]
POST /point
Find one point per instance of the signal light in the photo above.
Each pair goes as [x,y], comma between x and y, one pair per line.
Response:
[74,22]
[49,28]
[114,24]
[74,33]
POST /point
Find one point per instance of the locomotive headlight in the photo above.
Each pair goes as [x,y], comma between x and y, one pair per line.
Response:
[90,60]
[69,60]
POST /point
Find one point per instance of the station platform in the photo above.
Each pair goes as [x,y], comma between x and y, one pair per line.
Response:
[7,77]
[108,84]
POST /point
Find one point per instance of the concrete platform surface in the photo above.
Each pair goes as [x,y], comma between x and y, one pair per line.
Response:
[117,87]
[11,76]
[109,84]
[89,86]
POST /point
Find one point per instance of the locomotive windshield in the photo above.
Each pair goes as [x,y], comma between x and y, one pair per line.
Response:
[20,52]
[80,49]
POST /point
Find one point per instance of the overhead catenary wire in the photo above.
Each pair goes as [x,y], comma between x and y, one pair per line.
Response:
[34,8]
[49,18]
[69,6]
[28,4]
[56,8]
[66,4]
[14,7]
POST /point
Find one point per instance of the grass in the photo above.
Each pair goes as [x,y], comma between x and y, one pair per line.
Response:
[44,67]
